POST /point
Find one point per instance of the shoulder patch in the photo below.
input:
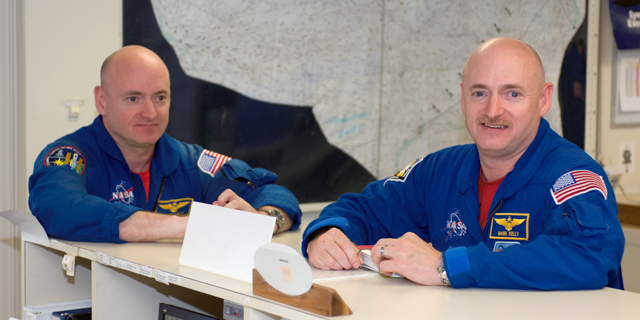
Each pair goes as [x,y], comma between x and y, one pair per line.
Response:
[210,162]
[575,183]
[66,156]
[402,175]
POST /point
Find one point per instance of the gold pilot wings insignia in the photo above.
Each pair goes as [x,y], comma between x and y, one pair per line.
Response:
[179,207]
[174,206]
[509,223]
[510,226]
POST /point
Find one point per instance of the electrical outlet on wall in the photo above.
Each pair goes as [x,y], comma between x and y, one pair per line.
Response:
[613,175]
[614,180]
[627,157]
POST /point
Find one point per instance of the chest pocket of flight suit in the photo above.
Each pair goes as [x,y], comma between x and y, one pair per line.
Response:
[238,170]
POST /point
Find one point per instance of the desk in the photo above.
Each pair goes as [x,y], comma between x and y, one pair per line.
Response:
[629,208]
[629,215]
[120,294]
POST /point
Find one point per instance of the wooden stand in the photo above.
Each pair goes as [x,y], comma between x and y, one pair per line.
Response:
[319,299]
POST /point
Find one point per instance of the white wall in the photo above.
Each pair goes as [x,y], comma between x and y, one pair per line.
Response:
[609,138]
[60,47]
[65,43]
[9,238]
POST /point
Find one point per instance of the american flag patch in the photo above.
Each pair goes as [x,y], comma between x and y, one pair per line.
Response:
[210,162]
[576,183]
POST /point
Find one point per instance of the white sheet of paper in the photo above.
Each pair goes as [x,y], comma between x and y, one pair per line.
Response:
[31,228]
[322,275]
[223,241]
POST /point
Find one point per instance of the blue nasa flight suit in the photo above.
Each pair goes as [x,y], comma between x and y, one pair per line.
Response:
[82,188]
[529,240]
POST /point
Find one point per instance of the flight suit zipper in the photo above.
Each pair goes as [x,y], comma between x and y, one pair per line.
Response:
[496,208]
[155,206]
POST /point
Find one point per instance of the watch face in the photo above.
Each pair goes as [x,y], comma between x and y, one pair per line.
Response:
[276,214]
[279,218]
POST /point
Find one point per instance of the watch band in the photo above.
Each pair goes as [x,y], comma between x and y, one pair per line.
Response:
[276,214]
[442,273]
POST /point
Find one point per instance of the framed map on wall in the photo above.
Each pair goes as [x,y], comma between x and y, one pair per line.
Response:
[281,138]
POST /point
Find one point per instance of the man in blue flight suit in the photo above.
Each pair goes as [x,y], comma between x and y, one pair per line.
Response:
[521,208]
[123,178]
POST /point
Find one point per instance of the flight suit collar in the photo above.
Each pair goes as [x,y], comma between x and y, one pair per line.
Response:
[165,155]
[105,140]
[524,170]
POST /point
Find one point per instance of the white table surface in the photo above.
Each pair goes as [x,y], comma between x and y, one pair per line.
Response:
[371,296]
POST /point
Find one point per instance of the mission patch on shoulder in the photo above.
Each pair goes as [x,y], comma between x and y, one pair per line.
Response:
[402,175]
[66,156]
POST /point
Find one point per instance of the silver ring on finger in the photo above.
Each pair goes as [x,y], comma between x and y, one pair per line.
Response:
[382,252]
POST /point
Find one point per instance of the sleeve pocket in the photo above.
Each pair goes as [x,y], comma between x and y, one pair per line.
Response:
[587,215]
[240,171]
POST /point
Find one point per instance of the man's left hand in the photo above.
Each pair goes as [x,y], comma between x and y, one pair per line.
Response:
[409,256]
[231,200]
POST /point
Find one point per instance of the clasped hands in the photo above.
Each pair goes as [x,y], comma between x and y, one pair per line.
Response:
[408,255]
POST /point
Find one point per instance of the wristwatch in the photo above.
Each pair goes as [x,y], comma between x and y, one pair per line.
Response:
[442,273]
[276,214]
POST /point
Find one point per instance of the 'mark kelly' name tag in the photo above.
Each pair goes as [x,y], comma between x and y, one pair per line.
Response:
[510,226]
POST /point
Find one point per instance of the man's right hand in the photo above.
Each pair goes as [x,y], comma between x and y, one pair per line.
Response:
[332,250]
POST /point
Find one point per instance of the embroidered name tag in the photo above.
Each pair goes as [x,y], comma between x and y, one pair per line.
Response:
[510,226]
[178,207]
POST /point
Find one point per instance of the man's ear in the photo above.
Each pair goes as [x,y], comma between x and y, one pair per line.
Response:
[101,98]
[545,98]
[462,98]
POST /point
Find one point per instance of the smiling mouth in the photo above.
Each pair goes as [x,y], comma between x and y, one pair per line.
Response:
[494,126]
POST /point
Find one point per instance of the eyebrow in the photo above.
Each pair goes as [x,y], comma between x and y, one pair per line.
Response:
[139,93]
[506,86]
[133,93]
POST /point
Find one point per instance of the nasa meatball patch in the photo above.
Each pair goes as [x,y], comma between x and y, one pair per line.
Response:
[455,229]
[66,156]
[122,192]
